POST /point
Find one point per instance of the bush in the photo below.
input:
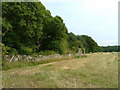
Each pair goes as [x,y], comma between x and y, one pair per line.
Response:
[25,50]
[46,52]
[12,51]
[4,49]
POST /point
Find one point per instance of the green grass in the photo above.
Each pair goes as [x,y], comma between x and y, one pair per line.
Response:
[94,71]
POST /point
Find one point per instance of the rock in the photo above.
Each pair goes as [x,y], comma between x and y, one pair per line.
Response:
[69,54]
[40,55]
[15,59]
[24,57]
[29,57]
[12,58]
[19,57]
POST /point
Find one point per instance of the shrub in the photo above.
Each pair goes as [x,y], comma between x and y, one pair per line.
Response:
[46,52]
[4,49]
[12,51]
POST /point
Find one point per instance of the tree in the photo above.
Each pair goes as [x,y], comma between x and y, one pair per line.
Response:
[84,42]
[74,43]
[55,34]
[89,44]
[23,24]
[110,48]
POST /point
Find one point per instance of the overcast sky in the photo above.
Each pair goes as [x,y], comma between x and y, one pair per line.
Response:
[95,18]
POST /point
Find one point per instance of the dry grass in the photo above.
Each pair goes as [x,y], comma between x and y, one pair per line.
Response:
[94,71]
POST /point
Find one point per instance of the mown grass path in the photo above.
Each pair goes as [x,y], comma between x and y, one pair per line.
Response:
[94,71]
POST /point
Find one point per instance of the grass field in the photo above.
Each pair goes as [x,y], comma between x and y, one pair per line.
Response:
[93,71]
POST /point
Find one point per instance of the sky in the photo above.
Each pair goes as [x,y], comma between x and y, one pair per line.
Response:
[95,18]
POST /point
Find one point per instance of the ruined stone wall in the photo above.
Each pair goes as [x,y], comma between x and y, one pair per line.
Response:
[33,57]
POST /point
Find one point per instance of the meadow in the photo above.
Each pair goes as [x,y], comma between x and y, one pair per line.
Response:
[94,71]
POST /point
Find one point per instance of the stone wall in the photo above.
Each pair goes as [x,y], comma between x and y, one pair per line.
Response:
[33,58]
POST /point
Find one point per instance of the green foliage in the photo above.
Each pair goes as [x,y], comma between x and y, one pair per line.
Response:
[27,49]
[4,49]
[89,44]
[55,35]
[110,48]
[23,23]
[72,36]
[84,42]
[45,52]
[12,51]
[74,43]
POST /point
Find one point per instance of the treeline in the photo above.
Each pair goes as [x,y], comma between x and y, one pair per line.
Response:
[110,48]
[27,27]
